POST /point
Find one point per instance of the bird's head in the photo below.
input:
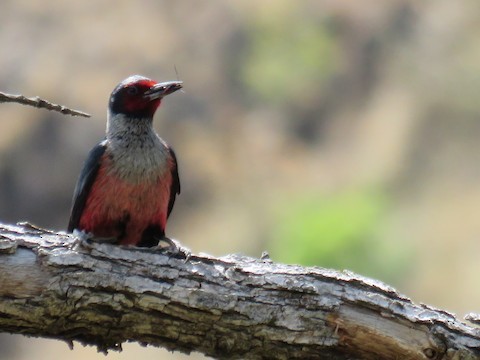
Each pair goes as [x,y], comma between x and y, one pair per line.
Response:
[139,97]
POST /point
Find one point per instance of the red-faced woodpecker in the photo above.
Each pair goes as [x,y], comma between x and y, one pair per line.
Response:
[129,181]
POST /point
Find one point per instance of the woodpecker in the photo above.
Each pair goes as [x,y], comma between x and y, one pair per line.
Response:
[129,182]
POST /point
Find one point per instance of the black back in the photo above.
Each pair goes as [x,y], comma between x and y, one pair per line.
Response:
[175,187]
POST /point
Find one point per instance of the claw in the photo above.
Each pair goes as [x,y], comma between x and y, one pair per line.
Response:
[173,248]
[86,240]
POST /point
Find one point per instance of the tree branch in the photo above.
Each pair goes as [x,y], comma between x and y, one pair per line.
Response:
[232,307]
[40,103]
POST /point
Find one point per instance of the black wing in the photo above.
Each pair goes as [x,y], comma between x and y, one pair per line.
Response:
[175,187]
[84,184]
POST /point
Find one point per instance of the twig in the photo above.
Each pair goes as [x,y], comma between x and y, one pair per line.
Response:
[40,103]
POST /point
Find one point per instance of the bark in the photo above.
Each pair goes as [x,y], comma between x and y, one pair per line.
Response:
[234,307]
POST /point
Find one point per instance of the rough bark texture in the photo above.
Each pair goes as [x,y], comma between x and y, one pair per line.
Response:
[232,307]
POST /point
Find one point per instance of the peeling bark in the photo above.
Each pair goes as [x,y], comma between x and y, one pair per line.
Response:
[234,307]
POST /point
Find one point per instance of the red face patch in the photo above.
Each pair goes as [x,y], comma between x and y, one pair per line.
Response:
[134,99]
[129,98]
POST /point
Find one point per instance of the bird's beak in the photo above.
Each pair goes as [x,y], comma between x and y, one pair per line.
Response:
[163,89]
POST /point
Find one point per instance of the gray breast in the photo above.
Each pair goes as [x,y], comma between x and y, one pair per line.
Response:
[137,153]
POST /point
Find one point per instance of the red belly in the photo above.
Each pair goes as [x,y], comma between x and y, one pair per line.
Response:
[112,201]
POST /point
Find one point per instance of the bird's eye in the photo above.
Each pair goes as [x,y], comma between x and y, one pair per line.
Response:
[132,90]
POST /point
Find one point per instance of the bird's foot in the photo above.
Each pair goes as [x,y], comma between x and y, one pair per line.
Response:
[172,248]
[86,239]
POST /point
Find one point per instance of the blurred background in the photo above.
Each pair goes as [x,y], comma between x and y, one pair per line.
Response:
[339,134]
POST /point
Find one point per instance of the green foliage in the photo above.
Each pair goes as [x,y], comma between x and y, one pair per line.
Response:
[290,54]
[339,231]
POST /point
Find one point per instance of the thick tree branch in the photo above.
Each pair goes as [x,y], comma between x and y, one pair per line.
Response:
[230,307]
[40,103]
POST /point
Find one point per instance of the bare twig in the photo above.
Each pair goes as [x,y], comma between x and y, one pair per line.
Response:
[40,103]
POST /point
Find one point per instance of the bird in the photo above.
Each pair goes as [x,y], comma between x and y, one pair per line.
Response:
[129,181]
